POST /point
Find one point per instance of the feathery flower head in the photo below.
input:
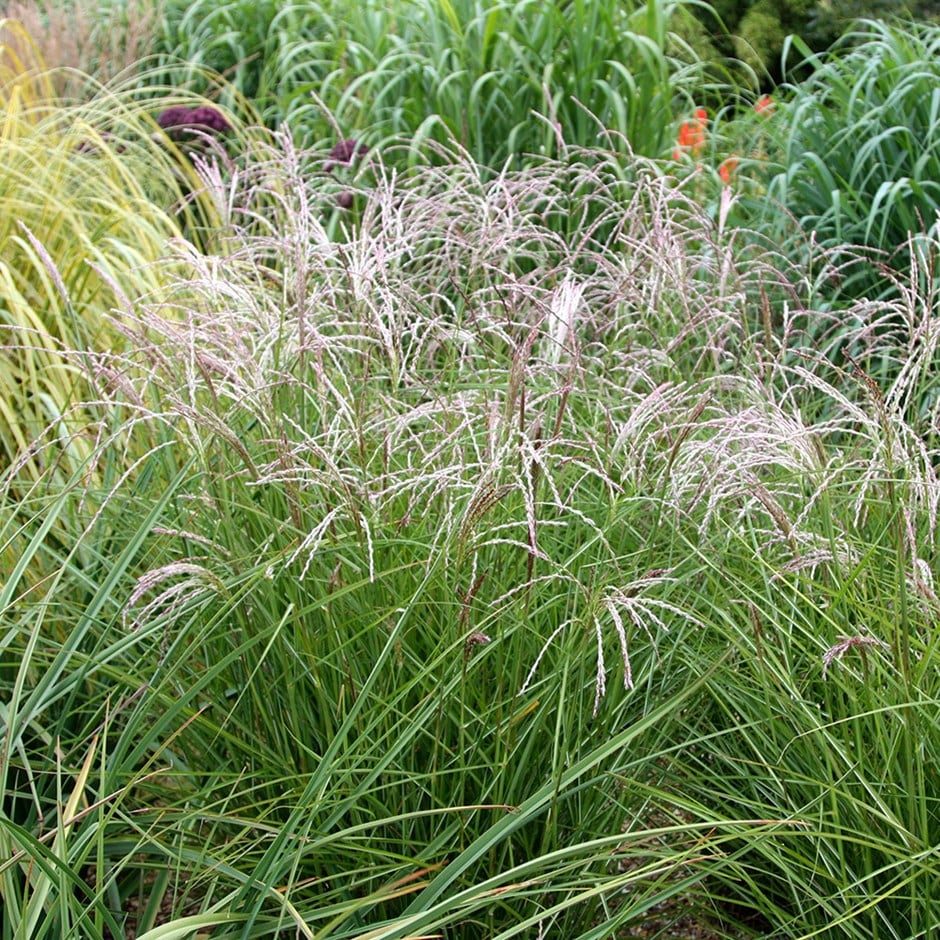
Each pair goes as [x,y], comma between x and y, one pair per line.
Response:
[846,643]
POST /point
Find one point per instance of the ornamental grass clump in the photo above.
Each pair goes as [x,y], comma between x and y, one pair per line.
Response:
[483,563]
[341,464]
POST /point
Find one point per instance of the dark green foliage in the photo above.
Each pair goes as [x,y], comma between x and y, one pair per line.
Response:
[760,35]
[861,147]
[236,40]
[827,21]
[757,30]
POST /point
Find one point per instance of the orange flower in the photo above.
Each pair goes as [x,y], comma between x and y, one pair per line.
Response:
[692,135]
[764,106]
[727,170]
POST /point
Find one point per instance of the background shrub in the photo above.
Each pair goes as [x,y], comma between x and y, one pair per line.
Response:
[756,31]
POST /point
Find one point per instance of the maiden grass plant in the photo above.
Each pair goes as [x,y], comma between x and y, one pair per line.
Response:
[363,492]
[461,575]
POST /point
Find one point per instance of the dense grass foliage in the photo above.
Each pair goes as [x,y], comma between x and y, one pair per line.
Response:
[404,546]
[89,198]
[83,45]
[435,544]
[367,499]
[504,79]
[861,151]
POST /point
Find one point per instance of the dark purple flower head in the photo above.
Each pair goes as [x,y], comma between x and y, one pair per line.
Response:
[344,200]
[210,118]
[344,153]
[179,121]
[177,116]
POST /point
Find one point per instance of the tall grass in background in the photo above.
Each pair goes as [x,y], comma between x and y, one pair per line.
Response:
[503,79]
[459,575]
[861,151]
[84,44]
